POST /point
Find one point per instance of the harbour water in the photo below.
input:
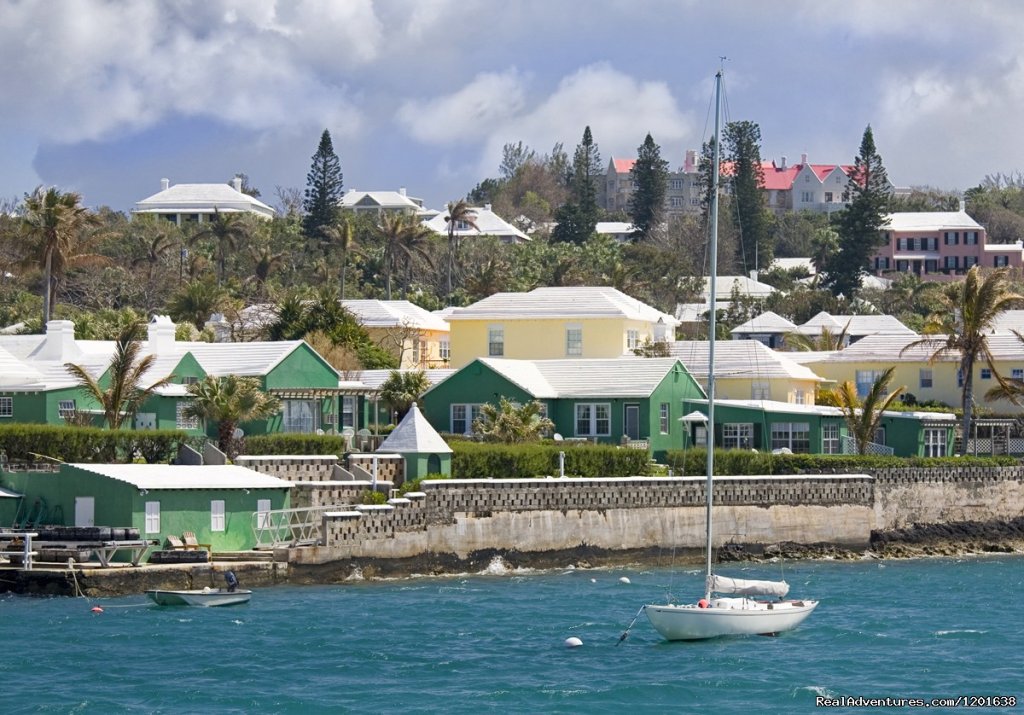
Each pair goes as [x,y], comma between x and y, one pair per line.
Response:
[494,642]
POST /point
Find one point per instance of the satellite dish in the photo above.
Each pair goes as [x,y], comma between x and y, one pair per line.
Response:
[238,433]
[557,437]
[319,431]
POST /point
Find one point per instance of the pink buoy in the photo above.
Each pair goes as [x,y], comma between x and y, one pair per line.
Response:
[97,609]
[703,603]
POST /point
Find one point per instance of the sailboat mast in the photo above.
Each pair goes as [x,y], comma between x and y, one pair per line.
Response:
[712,292]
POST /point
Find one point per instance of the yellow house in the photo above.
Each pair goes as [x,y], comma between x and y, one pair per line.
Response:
[940,380]
[749,370]
[555,322]
[417,337]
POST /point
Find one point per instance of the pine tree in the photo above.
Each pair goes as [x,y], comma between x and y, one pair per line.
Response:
[742,142]
[650,184]
[860,225]
[577,217]
[323,189]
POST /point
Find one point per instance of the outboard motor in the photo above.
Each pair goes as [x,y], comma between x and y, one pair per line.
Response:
[231,579]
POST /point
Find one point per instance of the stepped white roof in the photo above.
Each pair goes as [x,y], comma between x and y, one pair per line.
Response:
[394,313]
[859,325]
[373,379]
[739,359]
[610,377]
[767,322]
[202,198]
[175,476]
[488,224]
[414,435]
[562,302]
[931,221]
[387,200]
[746,286]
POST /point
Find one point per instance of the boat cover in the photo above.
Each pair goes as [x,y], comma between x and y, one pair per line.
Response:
[748,587]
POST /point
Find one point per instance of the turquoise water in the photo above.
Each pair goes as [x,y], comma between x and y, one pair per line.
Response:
[494,643]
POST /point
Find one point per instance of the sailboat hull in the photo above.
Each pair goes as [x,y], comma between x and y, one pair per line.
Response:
[727,617]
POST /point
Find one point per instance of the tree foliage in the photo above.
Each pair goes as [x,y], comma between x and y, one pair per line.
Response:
[512,423]
[864,416]
[323,188]
[650,182]
[401,389]
[742,144]
[229,401]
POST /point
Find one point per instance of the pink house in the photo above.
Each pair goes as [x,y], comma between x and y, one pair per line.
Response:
[940,245]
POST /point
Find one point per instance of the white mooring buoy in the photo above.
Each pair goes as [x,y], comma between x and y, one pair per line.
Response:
[624,579]
[573,642]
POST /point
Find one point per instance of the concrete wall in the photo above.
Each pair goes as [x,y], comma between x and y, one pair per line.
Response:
[938,496]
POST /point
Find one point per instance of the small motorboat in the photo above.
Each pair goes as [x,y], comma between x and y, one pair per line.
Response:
[200,597]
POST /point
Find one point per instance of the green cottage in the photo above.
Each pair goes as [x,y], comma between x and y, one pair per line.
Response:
[420,445]
[218,503]
[607,400]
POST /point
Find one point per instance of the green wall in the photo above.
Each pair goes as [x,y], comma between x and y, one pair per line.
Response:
[43,407]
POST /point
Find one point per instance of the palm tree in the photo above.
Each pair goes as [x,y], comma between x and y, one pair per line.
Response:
[124,396]
[458,212]
[265,262]
[393,230]
[341,235]
[229,401]
[227,231]
[961,324]
[53,223]
[826,341]
[863,416]
[511,423]
[155,249]
[413,243]
[195,301]
[401,389]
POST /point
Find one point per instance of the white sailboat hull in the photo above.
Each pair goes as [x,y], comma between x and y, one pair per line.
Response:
[727,617]
[206,597]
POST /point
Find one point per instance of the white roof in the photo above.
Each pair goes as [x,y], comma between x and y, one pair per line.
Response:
[393,200]
[858,325]
[777,406]
[593,377]
[746,286]
[488,224]
[414,434]
[697,312]
[244,359]
[767,322]
[175,476]
[394,313]
[1017,247]
[8,494]
[1009,320]
[614,228]
[739,359]
[788,264]
[931,221]
[373,379]
[562,302]
[15,372]
[182,198]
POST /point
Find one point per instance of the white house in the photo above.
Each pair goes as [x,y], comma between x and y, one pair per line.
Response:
[196,203]
[381,201]
[487,223]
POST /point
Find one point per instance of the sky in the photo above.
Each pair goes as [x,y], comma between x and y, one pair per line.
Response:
[107,98]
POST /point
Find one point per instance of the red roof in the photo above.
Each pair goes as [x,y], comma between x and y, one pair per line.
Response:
[623,166]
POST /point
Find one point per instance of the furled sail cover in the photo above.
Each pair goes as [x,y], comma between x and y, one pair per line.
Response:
[746,587]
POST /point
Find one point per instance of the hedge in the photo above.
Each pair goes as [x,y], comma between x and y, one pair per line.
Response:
[476,460]
[292,443]
[739,462]
[29,442]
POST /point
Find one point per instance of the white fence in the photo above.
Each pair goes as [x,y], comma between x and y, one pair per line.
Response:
[850,447]
[290,527]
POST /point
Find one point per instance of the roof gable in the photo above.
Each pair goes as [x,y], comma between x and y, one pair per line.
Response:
[414,435]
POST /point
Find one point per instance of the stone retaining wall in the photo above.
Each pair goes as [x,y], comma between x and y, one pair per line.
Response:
[293,468]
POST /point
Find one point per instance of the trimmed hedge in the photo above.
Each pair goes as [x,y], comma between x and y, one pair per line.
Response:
[476,460]
[291,443]
[26,442]
[739,462]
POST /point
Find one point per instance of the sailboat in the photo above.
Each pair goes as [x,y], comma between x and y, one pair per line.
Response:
[752,607]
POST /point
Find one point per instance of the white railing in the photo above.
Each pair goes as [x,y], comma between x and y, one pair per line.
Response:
[850,447]
[290,527]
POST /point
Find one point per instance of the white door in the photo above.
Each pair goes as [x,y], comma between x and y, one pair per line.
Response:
[85,511]
[145,420]
[263,512]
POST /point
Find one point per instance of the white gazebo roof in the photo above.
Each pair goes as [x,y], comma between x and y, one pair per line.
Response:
[414,435]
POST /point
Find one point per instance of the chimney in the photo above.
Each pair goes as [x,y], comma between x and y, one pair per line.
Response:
[963,206]
[803,158]
[690,163]
[783,165]
[401,191]
[165,184]
[161,335]
[237,183]
[487,207]
[59,344]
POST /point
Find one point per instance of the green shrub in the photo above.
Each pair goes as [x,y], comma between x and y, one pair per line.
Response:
[738,462]
[27,442]
[371,497]
[295,444]
[473,460]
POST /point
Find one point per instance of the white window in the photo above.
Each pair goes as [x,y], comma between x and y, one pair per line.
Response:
[700,436]
[1017,373]
[495,340]
[348,411]
[970,238]
[593,420]
[807,197]
[300,416]
[445,350]
[738,435]
[217,515]
[675,202]
[152,517]
[574,340]
[865,380]
[952,262]
[462,418]
[66,409]
[986,373]
[924,377]
[180,420]
[675,183]
[796,436]
[632,339]
[935,442]
[262,513]
[799,397]
[6,407]
[1000,261]
[760,391]
[416,352]
[664,417]
[830,438]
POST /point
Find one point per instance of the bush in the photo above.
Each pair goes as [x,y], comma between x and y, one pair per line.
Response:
[472,460]
[739,462]
[295,444]
[371,497]
[27,442]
